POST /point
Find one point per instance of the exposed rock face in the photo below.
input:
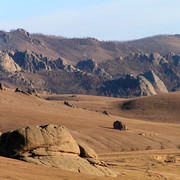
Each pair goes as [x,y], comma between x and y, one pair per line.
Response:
[60,63]
[30,61]
[155,58]
[119,125]
[146,87]
[23,33]
[33,62]
[52,146]
[90,66]
[158,85]
[128,86]
[134,75]
[7,64]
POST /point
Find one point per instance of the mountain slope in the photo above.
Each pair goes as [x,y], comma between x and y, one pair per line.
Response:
[48,63]
[135,75]
[77,49]
[162,108]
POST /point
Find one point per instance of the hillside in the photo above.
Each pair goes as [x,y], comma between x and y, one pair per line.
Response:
[89,124]
[163,108]
[132,76]
[87,66]
[76,49]
[162,44]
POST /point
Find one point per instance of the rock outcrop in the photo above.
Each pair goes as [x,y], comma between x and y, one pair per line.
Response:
[158,85]
[52,146]
[23,33]
[128,86]
[31,61]
[146,88]
[90,66]
[7,64]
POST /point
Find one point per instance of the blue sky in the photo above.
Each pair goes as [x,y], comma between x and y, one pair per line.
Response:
[101,19]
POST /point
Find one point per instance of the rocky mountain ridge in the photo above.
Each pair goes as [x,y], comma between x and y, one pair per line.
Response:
[135,75]
[76,49]
[88,66]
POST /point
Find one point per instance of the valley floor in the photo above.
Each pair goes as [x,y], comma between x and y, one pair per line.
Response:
[147,150]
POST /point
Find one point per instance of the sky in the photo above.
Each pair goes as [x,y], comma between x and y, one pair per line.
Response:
[119,20]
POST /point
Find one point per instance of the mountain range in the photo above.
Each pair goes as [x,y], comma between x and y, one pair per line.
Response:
[87,66]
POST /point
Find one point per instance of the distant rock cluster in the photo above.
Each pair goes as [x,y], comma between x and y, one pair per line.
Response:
[28,92]
[53,146]
[137,74]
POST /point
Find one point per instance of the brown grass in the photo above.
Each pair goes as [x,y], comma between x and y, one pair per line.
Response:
[91,126]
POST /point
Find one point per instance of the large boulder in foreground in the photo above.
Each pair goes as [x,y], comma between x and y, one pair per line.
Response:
[52,146]
[52,138]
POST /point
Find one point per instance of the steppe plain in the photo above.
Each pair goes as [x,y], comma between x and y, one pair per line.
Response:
[149,149]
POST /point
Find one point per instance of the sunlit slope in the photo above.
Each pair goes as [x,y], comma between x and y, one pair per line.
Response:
[157,108]
[86,122]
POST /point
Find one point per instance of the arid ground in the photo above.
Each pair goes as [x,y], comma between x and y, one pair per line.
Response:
[147,150]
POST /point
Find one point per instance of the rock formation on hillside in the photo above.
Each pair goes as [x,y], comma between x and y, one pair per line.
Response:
[138,74]
[33,62]
[52,146]
[146,88]
[7,64]
[158,85]
[30,61]
[22,33]
[90,66]
[127,86]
